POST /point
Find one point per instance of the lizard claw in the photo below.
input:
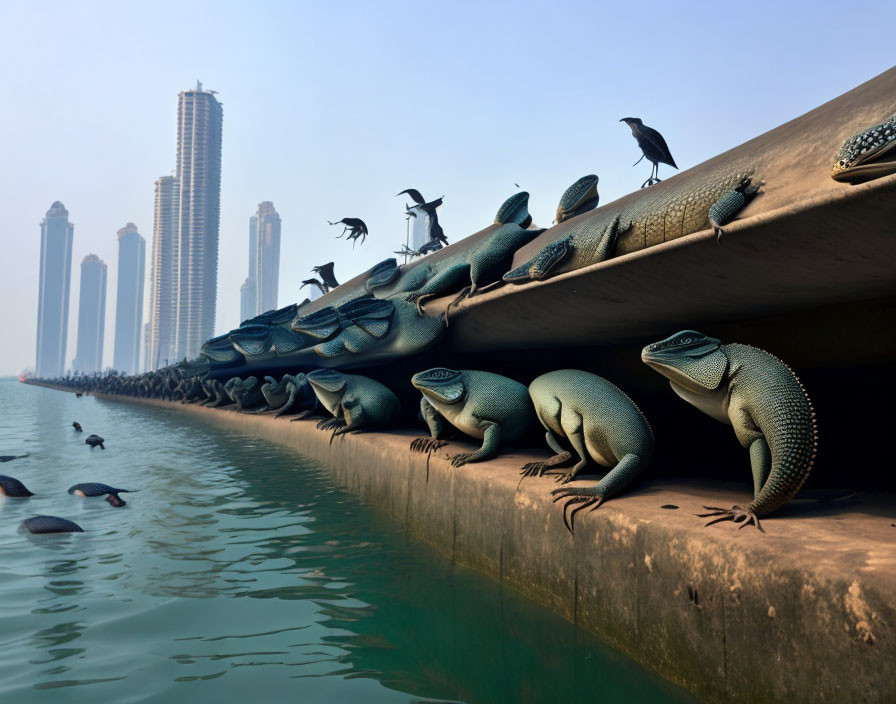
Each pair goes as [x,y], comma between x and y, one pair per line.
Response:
[426,445]
[736,514]
[461,459]
[465,293]
[533,469]
[419,299]
[581,498]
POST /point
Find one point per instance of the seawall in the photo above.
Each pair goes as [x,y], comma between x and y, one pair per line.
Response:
[805,612]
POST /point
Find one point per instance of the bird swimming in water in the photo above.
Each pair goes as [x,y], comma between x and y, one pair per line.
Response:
[77,426]
[94,440]
[50,524]
[10,458]
[653,146]
[10,486]
[90,489]
[328,278]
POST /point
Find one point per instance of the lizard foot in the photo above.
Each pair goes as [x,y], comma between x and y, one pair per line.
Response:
[426,445]
[465,293]
[540,469]
[330,423]
[461,459]
[737,514]
[533,469]
[301,415]
[580,497]
[343,429]
[419,299]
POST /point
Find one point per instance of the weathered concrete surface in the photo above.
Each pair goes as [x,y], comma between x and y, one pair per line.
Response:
[834,248]
[803,613]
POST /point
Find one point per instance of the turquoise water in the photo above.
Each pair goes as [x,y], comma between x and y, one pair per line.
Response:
[240,573]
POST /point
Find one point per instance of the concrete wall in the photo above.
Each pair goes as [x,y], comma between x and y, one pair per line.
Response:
[805,612]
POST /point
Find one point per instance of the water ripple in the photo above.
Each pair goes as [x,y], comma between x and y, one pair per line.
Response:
[238,568]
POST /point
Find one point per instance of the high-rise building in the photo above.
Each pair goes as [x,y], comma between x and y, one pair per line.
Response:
[163,276]
[249,289]
[91,316]
[56,235]
[129,300]
[198,170]
[267,258]
[248,296]
[147,334]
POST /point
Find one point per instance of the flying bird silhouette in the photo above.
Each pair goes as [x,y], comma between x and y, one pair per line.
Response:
[355,228]
[653,146]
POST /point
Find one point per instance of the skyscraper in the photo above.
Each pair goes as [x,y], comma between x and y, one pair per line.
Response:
[248,295]
[267,258]
[129,300]
[91,315]
[163,277]
[56,235]
[198,169]
[249,289]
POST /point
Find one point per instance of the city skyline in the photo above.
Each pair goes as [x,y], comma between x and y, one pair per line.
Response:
[296,136]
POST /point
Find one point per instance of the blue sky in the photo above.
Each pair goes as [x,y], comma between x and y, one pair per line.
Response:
[332,108]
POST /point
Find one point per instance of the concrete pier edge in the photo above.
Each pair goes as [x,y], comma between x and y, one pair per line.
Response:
[803,613]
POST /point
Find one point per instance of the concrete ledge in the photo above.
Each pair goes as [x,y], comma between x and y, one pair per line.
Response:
[803,613]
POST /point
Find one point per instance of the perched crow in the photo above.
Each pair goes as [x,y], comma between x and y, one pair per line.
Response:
[653,147]
[326,275]
[313,282]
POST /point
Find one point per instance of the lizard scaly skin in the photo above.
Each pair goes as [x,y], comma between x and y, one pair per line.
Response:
[601,424]
[759,396]
[675,209]
[480,404]
[356,402]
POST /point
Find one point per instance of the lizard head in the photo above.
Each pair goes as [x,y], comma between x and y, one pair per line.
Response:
[251,339]
[219,349]
[579,198]
[440,385]
[689,359]
[515,209]
[867,155]
[232,384]
[328,384]
[542,264]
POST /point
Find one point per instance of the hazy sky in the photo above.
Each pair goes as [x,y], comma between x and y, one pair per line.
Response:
[330,108]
